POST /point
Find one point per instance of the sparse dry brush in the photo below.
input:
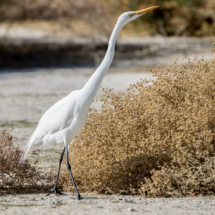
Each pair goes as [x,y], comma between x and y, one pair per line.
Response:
[17,176]
[155,139]
[174,17]
[95,14]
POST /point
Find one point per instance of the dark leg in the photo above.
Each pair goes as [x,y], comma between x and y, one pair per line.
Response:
[55,190]
[70,173]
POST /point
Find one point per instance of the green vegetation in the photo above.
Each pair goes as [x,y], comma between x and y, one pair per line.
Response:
[17,124]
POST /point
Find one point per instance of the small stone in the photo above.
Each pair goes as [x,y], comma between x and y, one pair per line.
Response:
[58,202]
[99,206]
[42,198]
[131,209]
[128,200]
[53,206]
[32,199]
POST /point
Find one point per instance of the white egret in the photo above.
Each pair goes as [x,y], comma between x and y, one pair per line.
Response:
[62,122]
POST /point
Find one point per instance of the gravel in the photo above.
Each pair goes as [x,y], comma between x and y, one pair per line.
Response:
[94,204]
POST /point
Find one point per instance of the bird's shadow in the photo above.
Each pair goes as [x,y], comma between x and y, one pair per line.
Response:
[85,197]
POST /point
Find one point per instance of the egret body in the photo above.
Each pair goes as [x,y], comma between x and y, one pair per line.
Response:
[62,122]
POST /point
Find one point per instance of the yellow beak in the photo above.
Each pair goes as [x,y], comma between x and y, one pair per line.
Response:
[139,12]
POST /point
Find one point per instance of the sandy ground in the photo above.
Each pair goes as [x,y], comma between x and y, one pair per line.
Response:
[103,204]
[25,95]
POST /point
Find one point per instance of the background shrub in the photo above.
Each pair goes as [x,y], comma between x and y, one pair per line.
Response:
[156,139]
[16,175]
[173,18]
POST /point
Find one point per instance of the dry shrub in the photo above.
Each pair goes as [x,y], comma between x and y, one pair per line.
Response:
[155,139]
[175,17]
[95,14]
[17,176]
[44,10]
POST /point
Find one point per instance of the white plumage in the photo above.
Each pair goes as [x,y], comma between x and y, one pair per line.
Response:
[65,119]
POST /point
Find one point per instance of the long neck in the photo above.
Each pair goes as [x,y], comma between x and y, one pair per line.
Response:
[91,87]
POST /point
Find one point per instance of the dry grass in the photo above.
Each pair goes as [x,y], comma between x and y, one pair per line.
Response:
[17,176]
[179,18]
[174,17]
[39,9]
[92,13]
[156,139]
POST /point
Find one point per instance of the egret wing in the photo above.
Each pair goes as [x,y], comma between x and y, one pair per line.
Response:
[56,118]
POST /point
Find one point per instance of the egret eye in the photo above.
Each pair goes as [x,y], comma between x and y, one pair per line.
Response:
[132,14]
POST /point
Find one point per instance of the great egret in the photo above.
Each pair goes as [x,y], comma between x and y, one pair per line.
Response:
[65,119]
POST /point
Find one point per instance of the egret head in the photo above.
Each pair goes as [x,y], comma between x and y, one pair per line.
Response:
[132,15]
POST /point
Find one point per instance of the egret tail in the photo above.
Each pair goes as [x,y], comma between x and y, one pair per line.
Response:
[28,147]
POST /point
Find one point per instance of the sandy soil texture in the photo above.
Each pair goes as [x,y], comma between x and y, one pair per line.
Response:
[102,204]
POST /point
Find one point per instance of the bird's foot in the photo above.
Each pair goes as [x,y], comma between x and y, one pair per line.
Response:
[79,197]
[56,191]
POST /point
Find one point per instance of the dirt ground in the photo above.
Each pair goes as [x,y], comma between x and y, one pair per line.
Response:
[93,204]
[26,94]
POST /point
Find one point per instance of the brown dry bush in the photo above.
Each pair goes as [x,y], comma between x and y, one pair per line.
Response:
[44,10]
[155,139]
[95,14]
[16,175]
[174,17]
